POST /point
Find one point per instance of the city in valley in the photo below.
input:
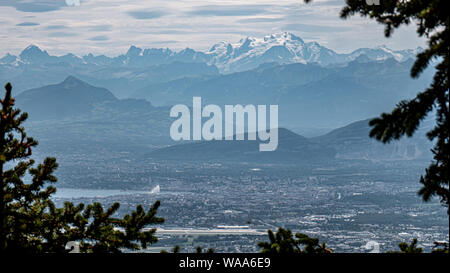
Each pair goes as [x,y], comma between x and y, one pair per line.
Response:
[107,120]
[230,207]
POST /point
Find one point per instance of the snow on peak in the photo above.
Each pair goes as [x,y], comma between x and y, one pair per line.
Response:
[32,47]
[33,50]
[134,51]
[244,54]
[283,37]
[282,47]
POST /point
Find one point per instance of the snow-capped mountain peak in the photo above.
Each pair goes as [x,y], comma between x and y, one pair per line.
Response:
[32,54]
[244,54]
[33,50]
[283,47]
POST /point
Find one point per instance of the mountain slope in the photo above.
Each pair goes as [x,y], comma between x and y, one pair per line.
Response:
[292,148]
[285,48]
[121,75]
[353,142]
[259,85]
[308,95]
[139,68]
[248,53]
[69,98]
[76,115]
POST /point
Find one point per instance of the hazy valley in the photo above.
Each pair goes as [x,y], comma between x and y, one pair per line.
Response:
[106,120]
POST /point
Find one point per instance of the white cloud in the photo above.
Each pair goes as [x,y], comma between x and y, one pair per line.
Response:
[73,2]
[111,26]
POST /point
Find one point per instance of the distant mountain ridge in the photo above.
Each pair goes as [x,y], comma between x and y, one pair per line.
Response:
[73,113]
[246,54]
[285,48]
[353,142]
[139,68]
[308,95]
[68,98]
[291,148]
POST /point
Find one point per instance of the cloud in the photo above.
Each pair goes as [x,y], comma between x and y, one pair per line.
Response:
[164,42]
[27,24]
[73,2]
[55,27]
[167,31]
[229,10]
[88,28]
[145,15]
[34,6]
[101,28]
[260,20]
[99,38]
[315,28]
[61,34]
[328,3]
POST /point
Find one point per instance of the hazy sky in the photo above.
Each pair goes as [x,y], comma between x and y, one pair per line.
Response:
[111,26]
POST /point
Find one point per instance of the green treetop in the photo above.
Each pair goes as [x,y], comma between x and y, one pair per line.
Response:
[432,20]
[30,221]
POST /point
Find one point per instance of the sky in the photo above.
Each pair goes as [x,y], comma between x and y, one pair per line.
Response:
[110,26]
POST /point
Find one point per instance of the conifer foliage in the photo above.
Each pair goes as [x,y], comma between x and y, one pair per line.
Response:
[432,20]
[411,248]
[30,221]
[284,242]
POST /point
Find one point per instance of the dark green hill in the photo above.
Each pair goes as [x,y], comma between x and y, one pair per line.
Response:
[292,148]
[72,97]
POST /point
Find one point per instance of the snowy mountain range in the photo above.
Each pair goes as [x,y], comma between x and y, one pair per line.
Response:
[286,48]
[248,53]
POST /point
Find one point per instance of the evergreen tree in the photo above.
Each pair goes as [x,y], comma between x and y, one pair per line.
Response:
[198,249]
[441,247]
[411,248]
[432,20]
[284,242]
[30,221]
